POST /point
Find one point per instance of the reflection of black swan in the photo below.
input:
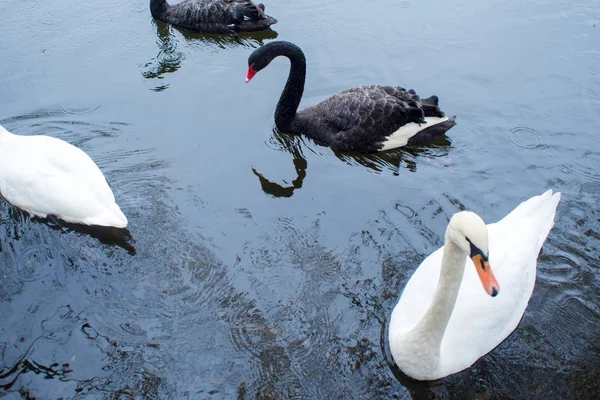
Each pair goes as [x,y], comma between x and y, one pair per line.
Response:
[362,120]
[170,57]
[300,164]
[213,16]
[383,161]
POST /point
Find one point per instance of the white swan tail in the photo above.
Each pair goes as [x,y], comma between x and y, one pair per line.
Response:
[541,209]
[112,217]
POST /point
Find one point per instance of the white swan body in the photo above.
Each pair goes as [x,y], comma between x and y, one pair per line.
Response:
[444,320]
[47,176]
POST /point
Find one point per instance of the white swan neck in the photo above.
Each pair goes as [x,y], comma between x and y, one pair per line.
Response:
[453,266]
[427,335]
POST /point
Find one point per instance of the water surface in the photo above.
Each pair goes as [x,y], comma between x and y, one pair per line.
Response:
[266,265]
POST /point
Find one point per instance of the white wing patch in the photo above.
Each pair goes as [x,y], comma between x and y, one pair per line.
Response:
[401,136]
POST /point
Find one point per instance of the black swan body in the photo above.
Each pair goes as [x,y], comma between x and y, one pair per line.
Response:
[213,16]
[360,120]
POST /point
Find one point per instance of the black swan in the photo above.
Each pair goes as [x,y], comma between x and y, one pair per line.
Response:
[360,120]
[213,16]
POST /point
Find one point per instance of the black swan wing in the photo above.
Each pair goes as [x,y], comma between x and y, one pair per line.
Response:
[361,119]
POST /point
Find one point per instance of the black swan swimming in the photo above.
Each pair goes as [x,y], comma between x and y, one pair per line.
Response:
[213,16]
[360,120]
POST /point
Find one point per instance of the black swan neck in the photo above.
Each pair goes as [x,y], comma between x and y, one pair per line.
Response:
[285,114]
[158,7]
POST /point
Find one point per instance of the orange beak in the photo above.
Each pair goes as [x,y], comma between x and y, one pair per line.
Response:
[486,275]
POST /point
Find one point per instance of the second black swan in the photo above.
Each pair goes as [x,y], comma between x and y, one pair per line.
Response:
[364,119]
[213,16]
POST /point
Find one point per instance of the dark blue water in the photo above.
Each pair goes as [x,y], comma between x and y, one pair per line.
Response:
[265,265]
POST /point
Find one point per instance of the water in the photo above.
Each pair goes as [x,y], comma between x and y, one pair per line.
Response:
[264,265]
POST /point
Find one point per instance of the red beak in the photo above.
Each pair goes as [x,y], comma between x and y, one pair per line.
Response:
[251,73]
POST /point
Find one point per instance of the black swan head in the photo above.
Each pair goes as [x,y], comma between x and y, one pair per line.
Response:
[285,114]
[262,57]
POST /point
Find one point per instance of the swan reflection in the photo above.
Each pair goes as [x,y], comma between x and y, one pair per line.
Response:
[291,144]
[108,235]
[170,57]
[15,221]
[393,160]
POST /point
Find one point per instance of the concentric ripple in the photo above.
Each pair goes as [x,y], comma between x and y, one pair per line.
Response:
[528,138]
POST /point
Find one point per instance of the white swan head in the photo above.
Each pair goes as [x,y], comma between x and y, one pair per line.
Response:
[468,231]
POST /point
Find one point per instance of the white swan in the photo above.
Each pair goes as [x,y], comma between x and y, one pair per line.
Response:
[47,176]
[444,320]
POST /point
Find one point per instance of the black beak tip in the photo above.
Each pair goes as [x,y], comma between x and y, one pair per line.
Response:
[494,292]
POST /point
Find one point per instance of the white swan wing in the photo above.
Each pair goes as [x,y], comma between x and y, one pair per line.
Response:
[45,175]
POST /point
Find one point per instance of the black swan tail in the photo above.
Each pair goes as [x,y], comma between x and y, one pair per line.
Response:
[431,108]
[430,133]
[429,105]
[253,11]
[251,17]
[432,101]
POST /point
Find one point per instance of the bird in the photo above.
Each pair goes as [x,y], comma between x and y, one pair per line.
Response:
[46,176]
[363,119]
[444,320]
[213,16]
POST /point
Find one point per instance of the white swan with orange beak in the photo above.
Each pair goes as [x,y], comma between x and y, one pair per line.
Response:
[444,320]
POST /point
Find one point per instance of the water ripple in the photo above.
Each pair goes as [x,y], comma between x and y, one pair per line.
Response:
[581,167]
[528,138]
[580,89]
[588,172]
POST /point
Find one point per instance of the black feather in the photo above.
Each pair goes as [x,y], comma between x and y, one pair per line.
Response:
[213,16]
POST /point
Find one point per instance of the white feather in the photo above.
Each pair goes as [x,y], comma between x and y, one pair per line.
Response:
[401,136]
[44,175]
[478,322]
